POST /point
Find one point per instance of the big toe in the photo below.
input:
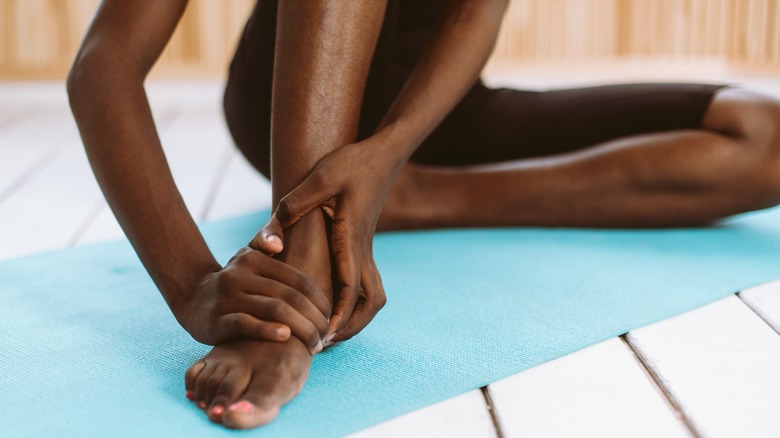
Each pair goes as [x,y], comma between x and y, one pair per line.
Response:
[246,415]
[230,389]
[259,405]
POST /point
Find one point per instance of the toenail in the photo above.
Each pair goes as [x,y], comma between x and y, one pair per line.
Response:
[242,406]
[217,410]
[190,395]
[202,404]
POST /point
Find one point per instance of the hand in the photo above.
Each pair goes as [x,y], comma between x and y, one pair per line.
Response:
[350,184]
[254,296]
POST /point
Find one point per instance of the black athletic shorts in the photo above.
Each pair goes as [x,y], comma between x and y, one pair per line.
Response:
[487,126]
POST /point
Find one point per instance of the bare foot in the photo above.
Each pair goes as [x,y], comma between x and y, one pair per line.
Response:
[243,383]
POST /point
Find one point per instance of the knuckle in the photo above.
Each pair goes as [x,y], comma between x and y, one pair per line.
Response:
[380,301]
[227,278]
[286,208]
[232,322]
[277,310]
[306,286]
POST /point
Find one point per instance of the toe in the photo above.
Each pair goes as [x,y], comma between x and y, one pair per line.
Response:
[191,376]
[214,382]
[201,385]
[246,415]
[260,403]
[233,385]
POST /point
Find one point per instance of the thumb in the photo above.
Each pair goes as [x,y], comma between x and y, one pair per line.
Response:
[310,194]
[269,238]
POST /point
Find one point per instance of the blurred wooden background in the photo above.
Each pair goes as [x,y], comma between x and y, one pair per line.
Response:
[38,38]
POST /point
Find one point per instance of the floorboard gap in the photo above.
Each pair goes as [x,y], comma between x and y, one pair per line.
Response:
[493,411]
[759,312]
[655,380]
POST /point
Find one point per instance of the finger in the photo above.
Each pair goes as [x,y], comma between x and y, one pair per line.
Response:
[272,309]
[237,324]
[347,255]
[296,300]
[367,306]
[279,271]
[310,194]
[269,239]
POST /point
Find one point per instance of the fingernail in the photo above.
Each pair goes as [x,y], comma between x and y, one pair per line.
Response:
[217,410]
[283,332]
[274,239]
[202,404]
[190,395]
[329,340]
[242,406]
[319,347]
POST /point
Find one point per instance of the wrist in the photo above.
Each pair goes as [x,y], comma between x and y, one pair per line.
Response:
[179,289]
[399,140]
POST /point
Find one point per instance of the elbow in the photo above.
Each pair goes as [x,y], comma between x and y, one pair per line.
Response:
[78,77]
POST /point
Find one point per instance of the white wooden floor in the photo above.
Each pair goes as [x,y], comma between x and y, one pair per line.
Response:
[712,372]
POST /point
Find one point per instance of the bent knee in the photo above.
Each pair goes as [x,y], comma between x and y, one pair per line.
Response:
[752,120]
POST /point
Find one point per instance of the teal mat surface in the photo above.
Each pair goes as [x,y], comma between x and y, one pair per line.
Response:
[89,348]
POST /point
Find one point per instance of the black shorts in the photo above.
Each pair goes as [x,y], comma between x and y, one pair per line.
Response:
[487,126]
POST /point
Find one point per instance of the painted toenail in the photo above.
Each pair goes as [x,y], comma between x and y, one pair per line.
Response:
[217,410]
[242,406]
[190,395]
[202,404]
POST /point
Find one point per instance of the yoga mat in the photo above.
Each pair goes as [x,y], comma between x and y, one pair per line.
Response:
[90,348]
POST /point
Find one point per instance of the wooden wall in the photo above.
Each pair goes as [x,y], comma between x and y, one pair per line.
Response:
[38,38]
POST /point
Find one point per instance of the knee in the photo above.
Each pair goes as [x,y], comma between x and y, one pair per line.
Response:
[247,114]
[752,120]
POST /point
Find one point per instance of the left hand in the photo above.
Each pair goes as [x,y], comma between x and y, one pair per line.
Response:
[350,184]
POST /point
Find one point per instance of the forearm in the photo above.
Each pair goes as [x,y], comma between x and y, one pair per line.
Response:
[116,125]
[448,67]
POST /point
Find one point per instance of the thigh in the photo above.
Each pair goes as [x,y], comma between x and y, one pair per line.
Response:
[247,101]
[494,125]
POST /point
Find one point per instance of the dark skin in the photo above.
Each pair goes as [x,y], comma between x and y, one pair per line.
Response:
[324,50]
[253,295]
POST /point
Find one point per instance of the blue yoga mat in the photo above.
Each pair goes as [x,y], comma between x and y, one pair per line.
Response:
[90,348]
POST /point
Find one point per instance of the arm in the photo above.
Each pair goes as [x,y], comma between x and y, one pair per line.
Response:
[352,182]
[447,69]
[106,92]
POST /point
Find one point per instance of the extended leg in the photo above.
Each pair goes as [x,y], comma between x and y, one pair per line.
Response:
[674,178]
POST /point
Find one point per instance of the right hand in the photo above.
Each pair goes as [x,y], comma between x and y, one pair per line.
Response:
[254,296]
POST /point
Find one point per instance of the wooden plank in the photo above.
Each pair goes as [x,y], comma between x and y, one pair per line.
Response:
[599,391]
[765,301]
[465,415]
[27,144]
[719,363]
[196,145]
[243,190]
[49,209]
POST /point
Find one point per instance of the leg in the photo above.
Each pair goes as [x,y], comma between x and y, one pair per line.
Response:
[683,177]
[257,378]
[323,50]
